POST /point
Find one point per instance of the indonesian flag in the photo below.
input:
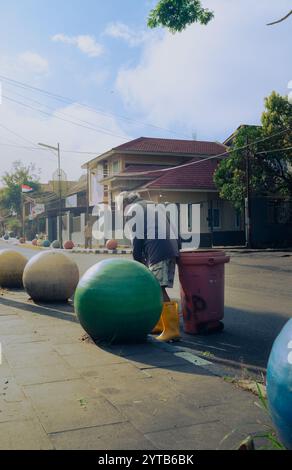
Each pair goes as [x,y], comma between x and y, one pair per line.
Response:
[26,189]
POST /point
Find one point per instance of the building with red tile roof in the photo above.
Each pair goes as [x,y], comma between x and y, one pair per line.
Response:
[166,170]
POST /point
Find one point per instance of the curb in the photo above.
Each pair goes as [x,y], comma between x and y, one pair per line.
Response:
[101,251]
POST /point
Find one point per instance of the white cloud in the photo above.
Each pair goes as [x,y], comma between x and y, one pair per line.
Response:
[35,128]
[33,61]
[209,79]
[85,43]
[122,31]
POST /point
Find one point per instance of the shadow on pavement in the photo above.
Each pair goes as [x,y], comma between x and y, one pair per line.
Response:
[52,310]
[245,343]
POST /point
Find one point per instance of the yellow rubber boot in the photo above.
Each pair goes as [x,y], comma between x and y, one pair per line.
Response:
[170,319]
[158,329]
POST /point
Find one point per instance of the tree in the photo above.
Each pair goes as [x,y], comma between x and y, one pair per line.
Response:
[10,196]
[270,163]
[176,15]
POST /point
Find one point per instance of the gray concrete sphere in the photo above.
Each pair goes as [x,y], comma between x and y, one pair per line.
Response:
[12,264]
[50,277]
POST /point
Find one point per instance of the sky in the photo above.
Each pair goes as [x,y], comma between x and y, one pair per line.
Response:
[111,79]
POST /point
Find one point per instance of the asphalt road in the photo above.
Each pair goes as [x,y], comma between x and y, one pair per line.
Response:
[258,299]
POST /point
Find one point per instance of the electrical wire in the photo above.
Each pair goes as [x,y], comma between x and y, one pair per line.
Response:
[212,157]
[62,119]
[66,114]
[83,105]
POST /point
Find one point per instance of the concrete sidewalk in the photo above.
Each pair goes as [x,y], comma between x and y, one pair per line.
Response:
[59,392]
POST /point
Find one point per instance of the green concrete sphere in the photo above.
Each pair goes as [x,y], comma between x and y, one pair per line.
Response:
[118,301]
[12,265]
[50,276]
[56,244]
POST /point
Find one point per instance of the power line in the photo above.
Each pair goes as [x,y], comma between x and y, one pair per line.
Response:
[16,134]
[94,109]
[62,119]
[172,168]
[45,150]
[284,149]
[67,115]
[213,156]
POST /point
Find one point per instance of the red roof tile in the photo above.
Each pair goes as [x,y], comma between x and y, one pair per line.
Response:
[173,146]
[142,168]
[196,176]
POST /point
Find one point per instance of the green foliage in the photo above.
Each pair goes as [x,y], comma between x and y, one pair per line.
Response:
[10,196]
[13,225]
[270,435]
[269,172]
[176,15]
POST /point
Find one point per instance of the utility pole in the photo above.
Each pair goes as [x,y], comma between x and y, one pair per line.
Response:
[57,149]
[211,220]
[247,198]
[87,193]
[60,198]
[22,215]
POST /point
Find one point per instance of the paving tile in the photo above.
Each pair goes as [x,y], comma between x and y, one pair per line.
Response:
[13,411]
[60,333]
[10,390]
[159,358]
[91,360]
[203,436]
[8,326]
[198,386]
[79,348]
[7,313]
[31,354]
[5,371]
[121,436]
[124,383]
[159,412]
[23,435]
[117,381]
[129,350]
[69,405]
[239,415]
[20,339]
[38,374]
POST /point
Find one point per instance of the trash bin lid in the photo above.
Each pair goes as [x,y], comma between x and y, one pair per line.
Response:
[209,257]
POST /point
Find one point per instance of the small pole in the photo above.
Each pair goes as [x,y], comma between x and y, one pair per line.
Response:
[247,199]
[60,198]
[212,223]
[87,194]
[23,214]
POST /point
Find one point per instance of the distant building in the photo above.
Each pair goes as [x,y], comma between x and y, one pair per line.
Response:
[142,165]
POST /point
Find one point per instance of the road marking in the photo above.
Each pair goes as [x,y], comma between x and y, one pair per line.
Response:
[193,359]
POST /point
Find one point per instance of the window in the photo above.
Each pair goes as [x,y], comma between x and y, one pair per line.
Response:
[116,167]
[105,170]
[237,219]
[215,219]
[76,224]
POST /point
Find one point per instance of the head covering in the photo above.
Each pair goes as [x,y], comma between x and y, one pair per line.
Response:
[127,197]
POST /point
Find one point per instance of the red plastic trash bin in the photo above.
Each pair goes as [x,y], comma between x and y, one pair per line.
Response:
[201,275]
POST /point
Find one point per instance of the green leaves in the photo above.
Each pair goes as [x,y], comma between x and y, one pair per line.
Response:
[176,15]
[269,170]
[10,197]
